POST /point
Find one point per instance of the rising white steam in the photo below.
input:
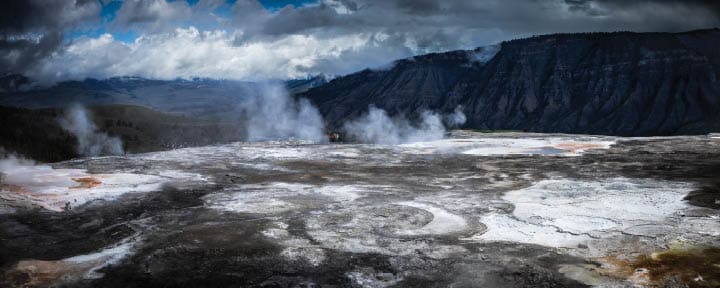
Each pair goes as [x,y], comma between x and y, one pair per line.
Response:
[13,163]
[455,119]
[274,115]
[485,54]
[91,141]
[377,127]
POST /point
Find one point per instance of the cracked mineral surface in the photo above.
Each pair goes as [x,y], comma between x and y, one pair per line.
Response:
[473,210]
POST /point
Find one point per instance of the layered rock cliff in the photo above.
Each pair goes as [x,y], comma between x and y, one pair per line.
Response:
[602,83]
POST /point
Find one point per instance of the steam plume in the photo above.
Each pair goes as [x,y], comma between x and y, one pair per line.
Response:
[377,127]
[12,163]
[485,54]
[457,118]
[91,142]
[274,115]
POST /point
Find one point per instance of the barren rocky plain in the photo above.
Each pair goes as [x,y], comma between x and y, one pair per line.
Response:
[472,210]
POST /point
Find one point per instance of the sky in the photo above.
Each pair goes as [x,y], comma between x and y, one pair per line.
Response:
[55,40]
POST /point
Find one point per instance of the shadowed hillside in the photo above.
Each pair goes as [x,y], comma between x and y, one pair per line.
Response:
[37,134]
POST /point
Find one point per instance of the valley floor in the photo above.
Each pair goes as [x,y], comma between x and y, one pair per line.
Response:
[473,210]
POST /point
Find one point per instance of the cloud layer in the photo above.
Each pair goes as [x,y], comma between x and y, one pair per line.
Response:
[31,30]
[245,40]
[188,53]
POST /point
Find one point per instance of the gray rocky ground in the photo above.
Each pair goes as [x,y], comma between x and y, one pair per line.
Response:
[473,210]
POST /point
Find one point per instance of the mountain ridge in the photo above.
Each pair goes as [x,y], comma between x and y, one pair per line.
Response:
[618,83]
[198,97]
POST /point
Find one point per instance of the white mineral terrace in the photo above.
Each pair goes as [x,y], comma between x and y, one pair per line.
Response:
[362,210]
[50,272]
[510,146]
[60,189]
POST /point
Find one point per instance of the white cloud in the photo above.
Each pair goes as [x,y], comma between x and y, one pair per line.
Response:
[188,53]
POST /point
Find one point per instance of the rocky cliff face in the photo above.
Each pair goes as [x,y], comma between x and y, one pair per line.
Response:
[411,85]
[604,83]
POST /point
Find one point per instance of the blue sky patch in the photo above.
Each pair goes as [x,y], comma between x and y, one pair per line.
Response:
[109,10]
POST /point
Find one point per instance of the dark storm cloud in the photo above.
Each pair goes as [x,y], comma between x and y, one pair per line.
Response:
[336,36]
[18,55]
[19,16]
[423,23]
[514,16]
[151,15]
[407,27]
[160,16]
[661,15]
[587,5]
[32,29]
